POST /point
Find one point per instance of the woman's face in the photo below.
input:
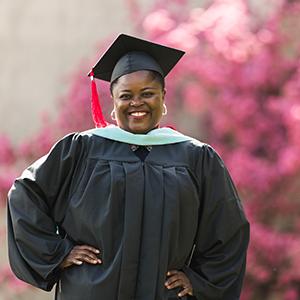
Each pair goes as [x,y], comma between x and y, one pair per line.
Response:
[138,101]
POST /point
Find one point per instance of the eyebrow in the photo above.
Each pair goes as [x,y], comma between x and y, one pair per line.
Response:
[143,89]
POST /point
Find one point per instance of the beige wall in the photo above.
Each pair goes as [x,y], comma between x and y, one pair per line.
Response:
[41,42]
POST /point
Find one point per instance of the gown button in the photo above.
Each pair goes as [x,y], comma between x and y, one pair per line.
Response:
[134,147]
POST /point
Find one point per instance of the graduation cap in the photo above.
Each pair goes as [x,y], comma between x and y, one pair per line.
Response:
[129,54]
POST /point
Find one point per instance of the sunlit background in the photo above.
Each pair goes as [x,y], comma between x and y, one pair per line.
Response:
[237,88]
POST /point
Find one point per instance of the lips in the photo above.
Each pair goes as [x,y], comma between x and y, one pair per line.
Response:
[138,113]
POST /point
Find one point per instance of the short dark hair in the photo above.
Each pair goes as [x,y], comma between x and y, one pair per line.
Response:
[155,76]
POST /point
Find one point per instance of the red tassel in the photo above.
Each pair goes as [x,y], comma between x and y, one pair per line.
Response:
[98,117]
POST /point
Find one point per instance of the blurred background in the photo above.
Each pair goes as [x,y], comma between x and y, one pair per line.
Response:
[237,88]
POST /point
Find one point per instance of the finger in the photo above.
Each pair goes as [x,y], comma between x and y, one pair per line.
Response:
[88,258]
[90,248]
[172,279]
[175,284]
[180,276]
[172,272]
[186,291]
[87,253]
[92,260]
[76,261]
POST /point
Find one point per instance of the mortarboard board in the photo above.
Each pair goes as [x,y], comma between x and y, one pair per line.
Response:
[129,54]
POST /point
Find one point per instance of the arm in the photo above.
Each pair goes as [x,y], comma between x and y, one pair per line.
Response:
[35,248]
[218,263]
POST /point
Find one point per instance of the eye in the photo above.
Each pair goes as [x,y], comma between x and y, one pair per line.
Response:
[147,94]
[125,96]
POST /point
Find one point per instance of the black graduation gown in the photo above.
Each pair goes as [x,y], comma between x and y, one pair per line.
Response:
[144,216]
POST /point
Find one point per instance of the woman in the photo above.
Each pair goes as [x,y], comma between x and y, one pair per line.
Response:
[132,211]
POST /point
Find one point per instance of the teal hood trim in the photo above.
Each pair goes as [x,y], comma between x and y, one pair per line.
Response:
[160,136]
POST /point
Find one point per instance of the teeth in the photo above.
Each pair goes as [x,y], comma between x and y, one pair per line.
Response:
[138,113]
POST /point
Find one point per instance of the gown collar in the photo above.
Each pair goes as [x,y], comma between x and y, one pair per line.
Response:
[160,136]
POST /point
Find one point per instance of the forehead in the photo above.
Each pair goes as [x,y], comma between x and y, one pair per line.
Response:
[138,77]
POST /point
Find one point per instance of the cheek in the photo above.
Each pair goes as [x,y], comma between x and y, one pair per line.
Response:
[117,111]
[159,110]
[118,106]
[159,107]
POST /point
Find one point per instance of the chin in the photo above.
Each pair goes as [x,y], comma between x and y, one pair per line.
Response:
[139,130]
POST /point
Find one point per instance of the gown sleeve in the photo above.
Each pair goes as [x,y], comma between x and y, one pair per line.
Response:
[217,265]
[35,248]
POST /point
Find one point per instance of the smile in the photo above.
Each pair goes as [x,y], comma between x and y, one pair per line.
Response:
[138,113]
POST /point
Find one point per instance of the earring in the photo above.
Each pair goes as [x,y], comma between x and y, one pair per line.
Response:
[113,115]
[165,110]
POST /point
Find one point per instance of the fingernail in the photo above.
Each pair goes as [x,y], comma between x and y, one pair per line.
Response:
[97,251]
[95,261]
[99,261]
[168,273]
[80,263]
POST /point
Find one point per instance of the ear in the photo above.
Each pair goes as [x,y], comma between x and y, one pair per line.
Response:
[113,99]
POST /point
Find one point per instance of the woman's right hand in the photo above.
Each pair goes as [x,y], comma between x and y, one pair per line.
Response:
[81,254]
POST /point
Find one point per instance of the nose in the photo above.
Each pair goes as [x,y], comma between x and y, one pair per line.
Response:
[136,101]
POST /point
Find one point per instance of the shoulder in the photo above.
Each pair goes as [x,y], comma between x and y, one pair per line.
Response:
[201,148]
[78,139]
[87,145]
[203,155]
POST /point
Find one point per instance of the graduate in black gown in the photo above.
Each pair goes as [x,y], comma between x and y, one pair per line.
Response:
[132,211]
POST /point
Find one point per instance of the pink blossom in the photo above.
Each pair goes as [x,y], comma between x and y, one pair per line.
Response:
[291,294]
[7,155]
[237,88]
[158,22]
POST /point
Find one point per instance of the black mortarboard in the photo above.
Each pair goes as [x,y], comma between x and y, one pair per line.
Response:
[129,54]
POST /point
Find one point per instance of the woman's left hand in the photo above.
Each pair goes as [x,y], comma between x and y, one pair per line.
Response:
[179,279]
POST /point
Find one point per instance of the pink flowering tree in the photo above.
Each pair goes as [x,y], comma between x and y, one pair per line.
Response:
[237,88]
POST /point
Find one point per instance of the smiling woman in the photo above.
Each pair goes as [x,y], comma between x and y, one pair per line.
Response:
[129,212]
[138,101]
